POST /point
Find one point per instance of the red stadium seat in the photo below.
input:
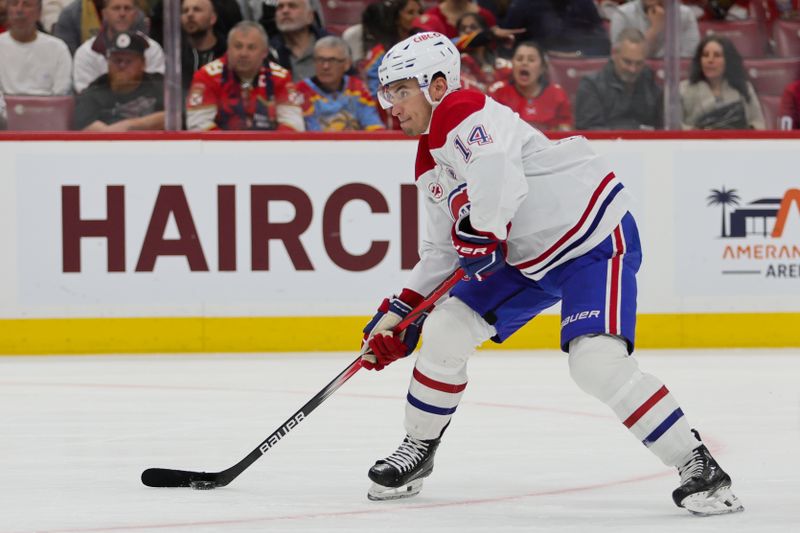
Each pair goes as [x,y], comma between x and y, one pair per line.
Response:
[568,72]
[771,105]
[786,34]
[747,36]
[39,113]
[658,68]
[341,14]
[771,76]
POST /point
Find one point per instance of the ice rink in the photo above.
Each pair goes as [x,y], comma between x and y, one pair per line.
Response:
[527,451]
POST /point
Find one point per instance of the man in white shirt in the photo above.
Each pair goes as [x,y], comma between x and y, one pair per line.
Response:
[90,57]
[33,63]
[649,17]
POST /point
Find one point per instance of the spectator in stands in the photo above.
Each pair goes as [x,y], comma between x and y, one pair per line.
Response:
[399,17]
[90,59]
[228,15]
[362,37]
[81,20]
[718,94]
[31,62]
[624,94]
[481,67]
[332,100]
[78,21]
[782,10]
[449,11]
[201,44]
[648,16]
[263,12]
[51,9]
[789,116]
[540,103]
[127,97]
[562,27]
[293,46]
[242,90]
[719,9]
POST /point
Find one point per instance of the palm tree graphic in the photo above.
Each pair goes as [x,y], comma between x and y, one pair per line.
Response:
[724,198]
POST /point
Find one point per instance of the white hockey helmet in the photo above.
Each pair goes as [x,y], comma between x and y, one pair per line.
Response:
[421,56]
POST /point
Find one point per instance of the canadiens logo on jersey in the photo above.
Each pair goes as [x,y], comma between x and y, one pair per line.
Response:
[458,201]
[436,190]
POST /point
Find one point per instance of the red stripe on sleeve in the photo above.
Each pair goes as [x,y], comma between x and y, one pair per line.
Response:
[639,413]
[438,385]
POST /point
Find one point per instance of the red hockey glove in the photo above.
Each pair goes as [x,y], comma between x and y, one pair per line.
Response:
[480,254]
[381,346]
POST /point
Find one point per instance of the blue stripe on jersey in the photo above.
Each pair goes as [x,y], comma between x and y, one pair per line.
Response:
[618,187]
[422,406]
[663,427]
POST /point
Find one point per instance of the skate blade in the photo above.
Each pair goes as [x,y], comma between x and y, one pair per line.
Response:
[722,501]
[379,493]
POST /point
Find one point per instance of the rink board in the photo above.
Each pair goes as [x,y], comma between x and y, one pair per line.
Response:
[195,244]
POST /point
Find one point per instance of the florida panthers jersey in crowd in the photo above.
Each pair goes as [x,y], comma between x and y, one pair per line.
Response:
[550,110]
[219,100]
[560,197]
[351,108]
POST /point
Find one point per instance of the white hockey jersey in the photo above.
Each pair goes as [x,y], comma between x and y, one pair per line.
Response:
[560,197]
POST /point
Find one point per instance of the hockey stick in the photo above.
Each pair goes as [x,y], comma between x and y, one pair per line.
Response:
[165,477]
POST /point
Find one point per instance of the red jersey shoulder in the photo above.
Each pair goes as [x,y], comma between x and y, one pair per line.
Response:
[453,110]
[214,68]
[501,90]
[424,160]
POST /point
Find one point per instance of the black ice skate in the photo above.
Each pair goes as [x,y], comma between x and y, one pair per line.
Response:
[705,487]
[400,475]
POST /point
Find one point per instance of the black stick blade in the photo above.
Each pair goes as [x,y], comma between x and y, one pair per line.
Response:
[165,477]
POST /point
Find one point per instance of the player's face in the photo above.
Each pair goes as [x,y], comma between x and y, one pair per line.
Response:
[330,64]
[120,14]
[408,104]
[246,52]
[628,59]
[526,66]
[712,61]
[197,16]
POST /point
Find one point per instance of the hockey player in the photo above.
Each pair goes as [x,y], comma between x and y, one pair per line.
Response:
[531,222]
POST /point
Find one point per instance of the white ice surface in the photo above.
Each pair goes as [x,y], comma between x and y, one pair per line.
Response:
[527,451]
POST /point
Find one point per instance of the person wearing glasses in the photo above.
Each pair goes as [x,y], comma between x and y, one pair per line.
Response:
[332,99]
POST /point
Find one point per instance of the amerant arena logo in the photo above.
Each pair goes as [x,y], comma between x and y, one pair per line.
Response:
[761,237]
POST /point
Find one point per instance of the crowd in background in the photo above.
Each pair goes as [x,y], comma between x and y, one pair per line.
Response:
[311,65]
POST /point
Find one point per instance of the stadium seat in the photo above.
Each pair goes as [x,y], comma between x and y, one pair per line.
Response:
[568,72]
[770,105]
[39,113]
[786,35]
[746,35]
[657,65]
[341,14]
[771,76]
